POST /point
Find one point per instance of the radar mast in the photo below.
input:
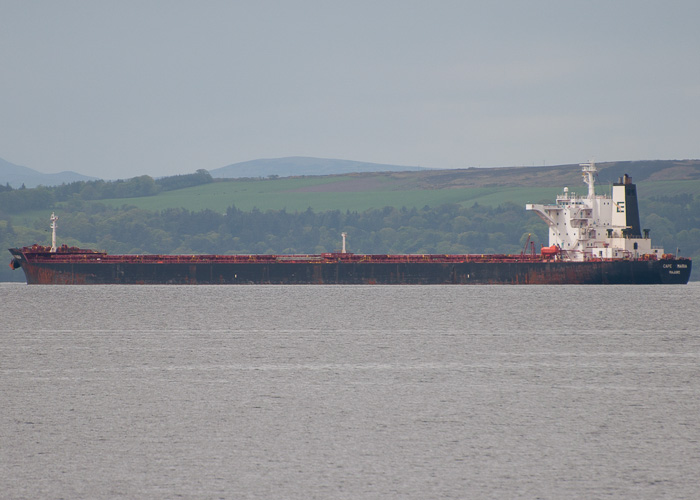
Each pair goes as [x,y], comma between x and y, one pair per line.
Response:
[589,170]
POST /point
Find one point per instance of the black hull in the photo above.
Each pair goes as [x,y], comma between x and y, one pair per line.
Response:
[622,272]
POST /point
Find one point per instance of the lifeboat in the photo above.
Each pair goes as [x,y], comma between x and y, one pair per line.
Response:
[550,251]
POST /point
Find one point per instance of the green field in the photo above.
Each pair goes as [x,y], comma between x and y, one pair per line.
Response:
[286,194]
[668,188]
[327,193]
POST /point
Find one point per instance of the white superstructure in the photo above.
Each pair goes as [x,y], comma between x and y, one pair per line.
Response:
[596,226]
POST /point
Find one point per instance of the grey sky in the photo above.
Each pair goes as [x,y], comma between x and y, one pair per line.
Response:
[122,88]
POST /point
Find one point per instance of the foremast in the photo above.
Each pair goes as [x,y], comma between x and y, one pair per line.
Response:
[53,220]
[597,226]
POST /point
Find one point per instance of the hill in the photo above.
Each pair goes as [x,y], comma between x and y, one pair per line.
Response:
[551,176]
[362,191]
[16,175]
[301,165]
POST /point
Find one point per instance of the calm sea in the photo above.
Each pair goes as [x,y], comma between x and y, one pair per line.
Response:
[347,392]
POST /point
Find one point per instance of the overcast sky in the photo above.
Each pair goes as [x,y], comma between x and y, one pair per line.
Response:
[116,89]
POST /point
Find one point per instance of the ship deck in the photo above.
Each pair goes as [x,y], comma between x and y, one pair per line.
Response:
[59,257]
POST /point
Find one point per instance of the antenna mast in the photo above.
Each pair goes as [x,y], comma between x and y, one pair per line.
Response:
[589,170]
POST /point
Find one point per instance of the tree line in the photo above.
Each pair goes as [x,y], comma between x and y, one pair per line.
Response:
[444,229]
[15,201]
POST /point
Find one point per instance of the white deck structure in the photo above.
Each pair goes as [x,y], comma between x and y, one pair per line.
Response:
[596,226]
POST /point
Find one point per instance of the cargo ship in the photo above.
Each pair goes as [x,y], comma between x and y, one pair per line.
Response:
[593,239]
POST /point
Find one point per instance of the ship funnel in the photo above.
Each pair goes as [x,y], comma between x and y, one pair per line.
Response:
[625,207]
[343,235]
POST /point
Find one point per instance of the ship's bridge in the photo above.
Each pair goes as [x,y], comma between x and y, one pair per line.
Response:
[596,226]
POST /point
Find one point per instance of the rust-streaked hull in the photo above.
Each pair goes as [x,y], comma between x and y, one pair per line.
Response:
[346,270]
